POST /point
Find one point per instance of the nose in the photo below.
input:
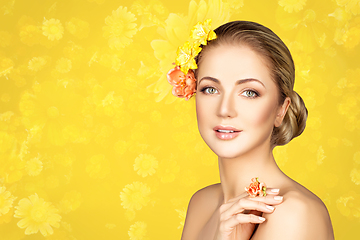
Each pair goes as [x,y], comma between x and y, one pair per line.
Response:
[226,108]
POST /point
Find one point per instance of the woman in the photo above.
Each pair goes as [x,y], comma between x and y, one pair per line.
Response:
[246,106]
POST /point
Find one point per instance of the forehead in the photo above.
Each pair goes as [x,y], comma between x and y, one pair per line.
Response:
[229,63]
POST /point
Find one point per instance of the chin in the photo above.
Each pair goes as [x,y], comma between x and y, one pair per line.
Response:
[229,153]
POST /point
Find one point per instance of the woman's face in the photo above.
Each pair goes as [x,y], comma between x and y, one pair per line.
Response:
[236,101]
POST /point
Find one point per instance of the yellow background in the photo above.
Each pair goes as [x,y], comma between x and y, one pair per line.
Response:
[88,123]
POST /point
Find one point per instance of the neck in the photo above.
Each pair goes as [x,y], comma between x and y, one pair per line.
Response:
[236,173]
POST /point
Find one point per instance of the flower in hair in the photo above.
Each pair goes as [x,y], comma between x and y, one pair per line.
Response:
[202,32]
[184,86]
[186,56]
[182,76]
[256,188]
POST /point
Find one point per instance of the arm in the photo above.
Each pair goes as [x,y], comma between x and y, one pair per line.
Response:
[298,218]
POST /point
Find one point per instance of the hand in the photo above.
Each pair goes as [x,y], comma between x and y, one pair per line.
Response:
[239,215]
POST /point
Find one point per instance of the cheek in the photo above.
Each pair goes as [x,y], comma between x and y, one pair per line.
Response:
[260,115]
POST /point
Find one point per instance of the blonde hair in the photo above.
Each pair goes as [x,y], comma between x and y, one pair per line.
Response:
[266,43]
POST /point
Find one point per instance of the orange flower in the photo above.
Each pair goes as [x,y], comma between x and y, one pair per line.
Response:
[184,86]
[256,188]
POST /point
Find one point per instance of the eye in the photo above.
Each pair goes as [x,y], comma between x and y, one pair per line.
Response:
[209,90]
[250,94]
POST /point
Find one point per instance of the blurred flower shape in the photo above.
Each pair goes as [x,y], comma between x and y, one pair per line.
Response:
[77,27]
[355,176]
[184,86]
[63,65]
[182,216]
[30,34]
[70,202]
[6,66]
[6,201]
[145,164]
[348,205]
[53,107]
[53,29]
[312,30]
[176,32]
[37,215]
[11,167]
[352,6]
[152,13]
[5,39]
[37,63]
[135,196]
[120,28]
[292,5]
[34,166]
[98,166]
[137,231]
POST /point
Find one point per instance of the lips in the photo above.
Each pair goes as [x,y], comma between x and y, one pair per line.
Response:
[226,132]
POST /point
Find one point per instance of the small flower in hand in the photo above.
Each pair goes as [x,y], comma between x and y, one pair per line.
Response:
[256,188]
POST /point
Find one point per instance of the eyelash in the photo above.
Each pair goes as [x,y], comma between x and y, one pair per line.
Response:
[203,90]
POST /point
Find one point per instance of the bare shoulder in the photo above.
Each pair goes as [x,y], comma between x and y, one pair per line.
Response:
[302,215]
[201,206]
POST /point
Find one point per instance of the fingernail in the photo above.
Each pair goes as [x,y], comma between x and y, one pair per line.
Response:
[275,190]
[279,198]
[270,207]
[261,219]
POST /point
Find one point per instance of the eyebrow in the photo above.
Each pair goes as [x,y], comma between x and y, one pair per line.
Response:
[237,82]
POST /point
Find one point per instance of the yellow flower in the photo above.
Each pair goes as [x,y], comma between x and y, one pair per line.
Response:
[137,230]
[6,201]
[145,164]
[135,196]
[34,166]
[185,56]
[37,63]
[53,29]
[175,33]
[37,215]
[120,28]
[202,33]
[292,5]
[63,65]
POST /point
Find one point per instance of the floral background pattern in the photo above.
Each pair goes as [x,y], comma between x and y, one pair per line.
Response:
[94,146]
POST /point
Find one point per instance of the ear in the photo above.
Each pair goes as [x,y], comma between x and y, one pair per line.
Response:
[282,111]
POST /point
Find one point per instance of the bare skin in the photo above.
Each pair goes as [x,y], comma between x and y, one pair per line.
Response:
[235,89]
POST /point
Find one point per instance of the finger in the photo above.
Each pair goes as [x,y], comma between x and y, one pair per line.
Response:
[246,204]
[235,199]
[268,199]
[231,201]
[231,223]
[272,191]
